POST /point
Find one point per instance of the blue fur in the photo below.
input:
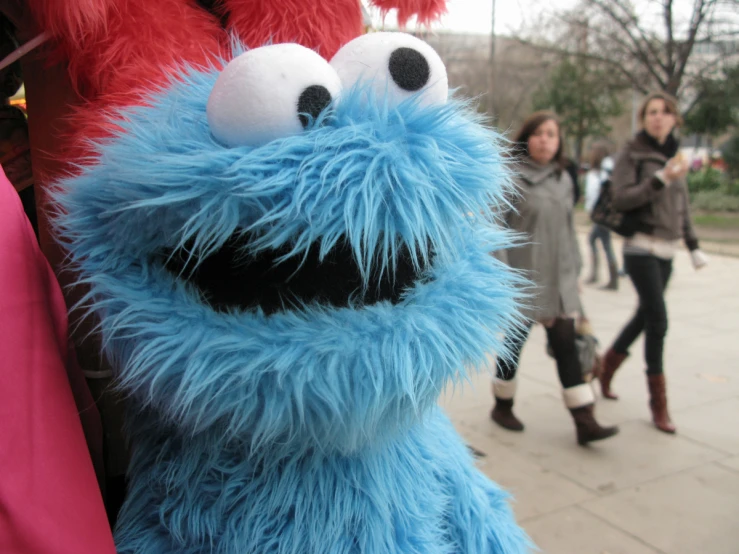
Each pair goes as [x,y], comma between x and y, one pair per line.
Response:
[313,430]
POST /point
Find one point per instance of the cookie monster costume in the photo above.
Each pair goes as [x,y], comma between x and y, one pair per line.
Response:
[102,56]
[290,259]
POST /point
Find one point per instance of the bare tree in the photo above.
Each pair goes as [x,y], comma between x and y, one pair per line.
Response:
[657,45]
[504,91]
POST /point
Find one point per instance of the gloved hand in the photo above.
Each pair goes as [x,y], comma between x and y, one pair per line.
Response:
[698,258]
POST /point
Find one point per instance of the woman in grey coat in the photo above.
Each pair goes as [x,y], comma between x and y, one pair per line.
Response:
[550,257]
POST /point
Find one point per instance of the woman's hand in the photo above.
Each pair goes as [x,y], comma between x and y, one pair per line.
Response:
[676,168]
[698,258]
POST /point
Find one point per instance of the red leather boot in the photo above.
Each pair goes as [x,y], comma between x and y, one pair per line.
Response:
[611,362]
[658,403]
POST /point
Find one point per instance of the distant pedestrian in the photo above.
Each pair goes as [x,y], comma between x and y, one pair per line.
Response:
[649,181]
[601,166]
[542,213]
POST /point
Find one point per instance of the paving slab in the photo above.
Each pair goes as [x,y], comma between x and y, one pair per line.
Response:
[730,463]
[700,386]
[641,491]
[575,531]
[714,424]
[699,393]
[638,454]
[691,512]
[536,489]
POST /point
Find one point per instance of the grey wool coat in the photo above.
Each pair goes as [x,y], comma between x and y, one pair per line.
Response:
[548,253]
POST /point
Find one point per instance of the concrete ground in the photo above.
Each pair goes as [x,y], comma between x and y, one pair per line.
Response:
[641,492]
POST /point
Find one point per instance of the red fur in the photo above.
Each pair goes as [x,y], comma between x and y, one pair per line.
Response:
[324,26]
[71,21]
[118,51]
[143,41]
[426,11]
[94,120]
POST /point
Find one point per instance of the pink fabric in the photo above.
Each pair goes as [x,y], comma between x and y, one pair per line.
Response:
[50,501]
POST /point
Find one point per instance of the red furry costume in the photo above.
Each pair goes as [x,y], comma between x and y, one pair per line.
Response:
[119,49]
[105,54]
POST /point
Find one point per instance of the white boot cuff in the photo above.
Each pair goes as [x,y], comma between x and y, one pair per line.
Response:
[505,390]
[578,396]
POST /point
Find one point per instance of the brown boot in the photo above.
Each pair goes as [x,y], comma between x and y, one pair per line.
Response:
[502,412]
[611,362]
[588,429]
[503,415]
[579,399]
[658,403]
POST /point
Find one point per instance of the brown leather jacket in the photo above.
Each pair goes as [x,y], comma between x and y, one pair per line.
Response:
[663,211]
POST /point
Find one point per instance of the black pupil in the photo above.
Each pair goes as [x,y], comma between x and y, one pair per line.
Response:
[312,102]
[409,69]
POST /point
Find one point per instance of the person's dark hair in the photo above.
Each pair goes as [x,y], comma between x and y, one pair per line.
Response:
[670,105]
[598,152]
[530,125]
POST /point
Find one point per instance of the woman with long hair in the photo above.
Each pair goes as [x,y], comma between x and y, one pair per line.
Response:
[601,166]
[648,183]
[549,256]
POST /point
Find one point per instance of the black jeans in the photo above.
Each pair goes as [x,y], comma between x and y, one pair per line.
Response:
[561,337]
[650,276]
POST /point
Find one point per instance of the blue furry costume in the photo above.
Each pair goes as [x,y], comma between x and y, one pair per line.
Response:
[284,311]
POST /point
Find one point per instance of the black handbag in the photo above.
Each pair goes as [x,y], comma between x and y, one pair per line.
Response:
[624,223]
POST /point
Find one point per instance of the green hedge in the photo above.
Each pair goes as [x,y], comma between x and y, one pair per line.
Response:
[713,191]
[732,187]
[714,201]
[706,179]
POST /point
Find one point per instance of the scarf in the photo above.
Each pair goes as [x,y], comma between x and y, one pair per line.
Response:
[668,149]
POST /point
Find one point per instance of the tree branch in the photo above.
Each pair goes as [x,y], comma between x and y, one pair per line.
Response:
[627,10]
[631,50]
[611,38]
[698,98]
[700,75]
[638,52]
[615,64]
[700,10]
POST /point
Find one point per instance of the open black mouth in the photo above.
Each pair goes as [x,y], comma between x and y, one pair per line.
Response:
[230,279]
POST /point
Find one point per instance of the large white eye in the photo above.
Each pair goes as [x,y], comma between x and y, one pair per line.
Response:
[396,64]
[264,93]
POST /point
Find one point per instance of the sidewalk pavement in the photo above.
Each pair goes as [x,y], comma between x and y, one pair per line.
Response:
[641,492]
